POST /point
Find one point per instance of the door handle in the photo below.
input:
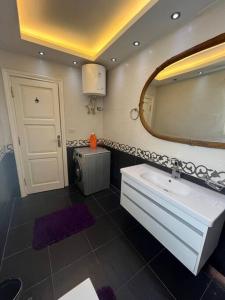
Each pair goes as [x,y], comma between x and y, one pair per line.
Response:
[59,140]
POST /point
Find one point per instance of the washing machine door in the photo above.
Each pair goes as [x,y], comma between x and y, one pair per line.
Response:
[78,171]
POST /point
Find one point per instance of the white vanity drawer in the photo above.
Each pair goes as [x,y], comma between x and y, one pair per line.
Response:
[173,223]
[177,247]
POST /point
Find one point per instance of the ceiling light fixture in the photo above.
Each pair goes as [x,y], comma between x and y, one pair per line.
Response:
[200,73]
[136,43]
[41,53]
[175,15]
[75,62]
[114,59]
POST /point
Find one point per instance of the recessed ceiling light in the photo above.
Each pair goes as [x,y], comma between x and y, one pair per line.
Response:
[175,15]
[75,62]
[200,73]
[41,53]
[114,59]
[136,43]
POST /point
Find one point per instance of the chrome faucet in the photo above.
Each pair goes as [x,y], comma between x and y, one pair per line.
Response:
[176,169]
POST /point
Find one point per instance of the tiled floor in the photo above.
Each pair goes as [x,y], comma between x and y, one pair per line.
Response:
[116,252]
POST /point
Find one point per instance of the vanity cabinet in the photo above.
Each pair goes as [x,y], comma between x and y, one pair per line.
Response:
[187,238]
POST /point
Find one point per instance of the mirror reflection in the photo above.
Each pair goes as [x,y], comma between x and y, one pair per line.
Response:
[187,100]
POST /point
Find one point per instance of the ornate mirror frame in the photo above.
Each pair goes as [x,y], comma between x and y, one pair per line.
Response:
[219,39]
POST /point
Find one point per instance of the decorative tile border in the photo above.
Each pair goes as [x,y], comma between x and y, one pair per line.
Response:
[4,150]
[122,147]
[80,143]
[189,168]
[9,148]
[76,143]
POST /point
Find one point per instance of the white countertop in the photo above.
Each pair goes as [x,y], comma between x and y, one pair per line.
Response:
[201,203]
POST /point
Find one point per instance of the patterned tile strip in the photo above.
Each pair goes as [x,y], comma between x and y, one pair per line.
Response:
[189,168]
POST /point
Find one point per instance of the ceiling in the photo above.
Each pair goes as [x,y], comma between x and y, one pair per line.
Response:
[84,28]
[90,30]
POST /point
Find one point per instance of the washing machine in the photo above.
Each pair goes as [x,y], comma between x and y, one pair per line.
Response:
[92,169]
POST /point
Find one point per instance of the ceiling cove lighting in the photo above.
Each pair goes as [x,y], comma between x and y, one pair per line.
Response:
[136,43]
[194,62]
[175,15]
[41,53]
[39,30]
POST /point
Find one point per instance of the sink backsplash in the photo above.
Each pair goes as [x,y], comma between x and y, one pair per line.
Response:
[187,167]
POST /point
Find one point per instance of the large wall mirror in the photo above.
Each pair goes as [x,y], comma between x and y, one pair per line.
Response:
[184,99]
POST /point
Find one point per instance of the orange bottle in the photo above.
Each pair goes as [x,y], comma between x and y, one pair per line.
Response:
[93,141]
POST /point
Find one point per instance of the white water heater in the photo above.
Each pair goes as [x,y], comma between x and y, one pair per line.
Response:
[94,80]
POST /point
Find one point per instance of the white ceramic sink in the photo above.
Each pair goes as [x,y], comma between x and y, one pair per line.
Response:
[199,202]
[167,183]
[185,217]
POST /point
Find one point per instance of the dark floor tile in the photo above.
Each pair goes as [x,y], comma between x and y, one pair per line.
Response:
[41,291]
[101,232]
[214,292]
[178,279]
[72,188]
[94,208]
[51,195]
[27,210]
[40,204]
[68,250]
[144,242]
[120,261]
[144,286]
[115,189]
[77,196]
[30,265]
[19,239]
[123,219]
[57,203]
[109,202]
[69,277]
[103,193]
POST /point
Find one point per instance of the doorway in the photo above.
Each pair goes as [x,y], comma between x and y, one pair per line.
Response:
[36,114]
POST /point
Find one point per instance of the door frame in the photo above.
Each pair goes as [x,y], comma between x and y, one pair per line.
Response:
[7,74]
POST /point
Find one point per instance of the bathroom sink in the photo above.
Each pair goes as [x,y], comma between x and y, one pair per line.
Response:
[185,217]
[199,202]
[167,183]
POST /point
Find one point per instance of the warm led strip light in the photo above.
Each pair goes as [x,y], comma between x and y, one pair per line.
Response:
[28,33]
[194,62]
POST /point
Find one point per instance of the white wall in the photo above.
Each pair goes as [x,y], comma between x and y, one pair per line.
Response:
[125,83]
[79,124]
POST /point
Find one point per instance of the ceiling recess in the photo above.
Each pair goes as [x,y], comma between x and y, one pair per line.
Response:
[69,27]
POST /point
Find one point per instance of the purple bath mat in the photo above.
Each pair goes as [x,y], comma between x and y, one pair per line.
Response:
[61,224]
[106,293]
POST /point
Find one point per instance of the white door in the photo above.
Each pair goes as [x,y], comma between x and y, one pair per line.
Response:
[39,132]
